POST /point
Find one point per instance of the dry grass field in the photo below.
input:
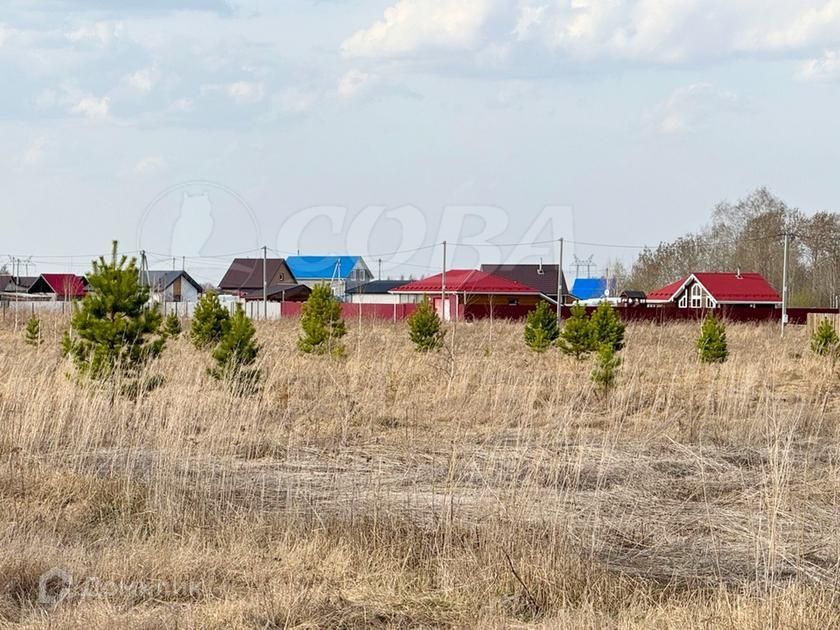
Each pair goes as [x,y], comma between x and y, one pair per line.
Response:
[484,487]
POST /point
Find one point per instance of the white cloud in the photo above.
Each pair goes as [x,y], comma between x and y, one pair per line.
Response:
[826,68]
[92,107]
[245,92]
[294,100]
[102,33]
[149,164]
[143,80]
[355,82]
[413,24]
[35,152]
[529,17]
[6,33]
[690,107]
[649,31]
[240,92]
[46,99]
[183,105]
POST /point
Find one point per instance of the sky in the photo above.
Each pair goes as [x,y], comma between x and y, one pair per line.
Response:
[198,129]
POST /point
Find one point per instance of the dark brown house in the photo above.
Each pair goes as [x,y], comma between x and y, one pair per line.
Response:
[244,278]
[541,277]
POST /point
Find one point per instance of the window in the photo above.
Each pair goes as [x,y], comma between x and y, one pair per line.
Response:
[696,296]
[710,303]
[684,300]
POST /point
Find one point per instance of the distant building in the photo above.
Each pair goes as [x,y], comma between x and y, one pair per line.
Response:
[244,279]
[171,286]
[340,272]
[710,290]
[540,277]
[60,287]
[631,297]
[592,290]
[15,284]
[379,292]
[470,287]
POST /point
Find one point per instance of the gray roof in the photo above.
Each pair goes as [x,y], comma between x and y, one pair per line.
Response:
[377,287]
[160,280]
[543,278]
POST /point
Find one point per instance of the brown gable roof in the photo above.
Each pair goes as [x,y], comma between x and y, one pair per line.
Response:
[545,282]
[247,273]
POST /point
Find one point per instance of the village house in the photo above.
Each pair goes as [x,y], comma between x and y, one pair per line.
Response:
[379,292]
[244,279]
[171,286]
[542,277]
[59,287]
[592,291]
[708,290]
[470,287]
[340,272]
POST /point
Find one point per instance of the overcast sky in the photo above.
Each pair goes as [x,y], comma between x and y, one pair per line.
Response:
[201,128]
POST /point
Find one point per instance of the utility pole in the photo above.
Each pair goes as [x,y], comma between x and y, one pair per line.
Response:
[379,276]
[183,263]
[265,284]
[443,285]
[16,268]
[560,284]
[784,286]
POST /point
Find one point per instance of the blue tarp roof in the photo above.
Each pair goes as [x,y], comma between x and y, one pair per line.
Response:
[589,288]
[321,267]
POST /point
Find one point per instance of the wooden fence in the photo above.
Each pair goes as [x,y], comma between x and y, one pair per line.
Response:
[814,320]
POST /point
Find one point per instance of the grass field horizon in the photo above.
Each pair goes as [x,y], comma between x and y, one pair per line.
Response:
[481,486]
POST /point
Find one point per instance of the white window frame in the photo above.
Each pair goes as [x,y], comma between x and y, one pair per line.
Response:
[683,303]
[696,296]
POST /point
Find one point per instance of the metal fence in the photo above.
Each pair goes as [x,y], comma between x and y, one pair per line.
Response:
[259,310]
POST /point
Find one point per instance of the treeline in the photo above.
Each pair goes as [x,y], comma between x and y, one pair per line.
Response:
[749,234]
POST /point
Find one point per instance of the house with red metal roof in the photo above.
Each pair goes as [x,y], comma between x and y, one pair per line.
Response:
[464,287]
[715,289]
[59,286]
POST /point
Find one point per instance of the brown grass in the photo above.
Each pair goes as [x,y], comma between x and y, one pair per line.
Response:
[482,487]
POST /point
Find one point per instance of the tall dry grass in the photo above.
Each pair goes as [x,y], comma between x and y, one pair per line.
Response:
[485,486]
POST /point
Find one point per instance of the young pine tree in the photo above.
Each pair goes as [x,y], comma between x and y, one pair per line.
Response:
[576,335]
[541,330]
[172,325]
[607,327]
[424,327]
[711,345]
[605,371]
[321,322]
[115,329]
[824,341]
[236,352]
[210,321]
[32,334]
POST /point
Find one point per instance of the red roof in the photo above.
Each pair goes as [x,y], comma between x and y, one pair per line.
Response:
[725,288]
[467,281]
[667,292]
[65,284]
